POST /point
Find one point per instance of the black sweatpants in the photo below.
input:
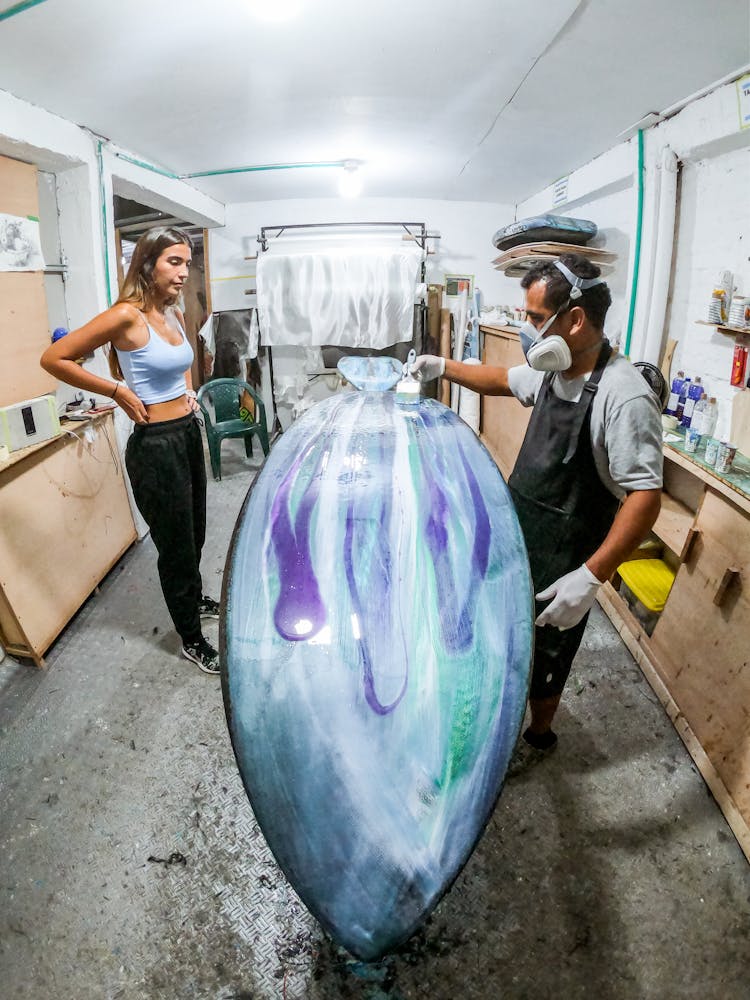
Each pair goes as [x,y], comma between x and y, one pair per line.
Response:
[168,476]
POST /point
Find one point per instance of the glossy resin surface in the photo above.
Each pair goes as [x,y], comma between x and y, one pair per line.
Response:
[376,645]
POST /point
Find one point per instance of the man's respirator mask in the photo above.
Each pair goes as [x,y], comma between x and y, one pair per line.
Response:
[552,354]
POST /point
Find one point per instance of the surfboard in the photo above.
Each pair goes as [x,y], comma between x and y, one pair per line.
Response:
[376,640]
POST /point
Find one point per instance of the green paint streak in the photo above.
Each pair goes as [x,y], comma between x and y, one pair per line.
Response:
[463,737]
[19,8]
[265,166]
[103,199]
[463,705]
[147,166]
[637,254]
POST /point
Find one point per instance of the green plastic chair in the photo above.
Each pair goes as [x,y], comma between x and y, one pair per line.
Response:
[231,419]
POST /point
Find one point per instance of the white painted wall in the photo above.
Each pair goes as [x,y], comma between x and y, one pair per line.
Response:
[712,229]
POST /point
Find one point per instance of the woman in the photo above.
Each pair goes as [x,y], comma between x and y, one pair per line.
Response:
[164,455]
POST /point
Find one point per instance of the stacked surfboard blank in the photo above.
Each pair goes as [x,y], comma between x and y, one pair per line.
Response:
[516,261]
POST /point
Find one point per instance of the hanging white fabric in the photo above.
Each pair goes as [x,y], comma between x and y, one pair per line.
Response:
[344,297]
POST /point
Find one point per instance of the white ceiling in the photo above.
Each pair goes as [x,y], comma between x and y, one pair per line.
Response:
[486,100]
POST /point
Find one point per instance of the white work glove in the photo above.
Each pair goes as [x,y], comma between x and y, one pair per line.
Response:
[570,598]
[427,367]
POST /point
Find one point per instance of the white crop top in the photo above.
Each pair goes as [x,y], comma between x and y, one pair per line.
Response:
[156,371]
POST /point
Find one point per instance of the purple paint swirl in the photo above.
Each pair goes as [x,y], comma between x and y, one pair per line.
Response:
[456,625]
[299,612]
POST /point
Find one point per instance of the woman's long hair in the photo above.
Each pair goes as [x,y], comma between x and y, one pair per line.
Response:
[138,286]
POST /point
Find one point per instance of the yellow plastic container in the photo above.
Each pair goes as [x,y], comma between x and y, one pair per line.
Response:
[650,580]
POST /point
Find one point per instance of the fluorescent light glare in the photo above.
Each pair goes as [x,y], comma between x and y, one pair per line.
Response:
[350,182]
[275,10]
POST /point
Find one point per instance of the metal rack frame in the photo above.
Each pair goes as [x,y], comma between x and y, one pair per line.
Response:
[421,236]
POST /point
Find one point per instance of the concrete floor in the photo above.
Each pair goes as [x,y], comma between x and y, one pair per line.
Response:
[607,871]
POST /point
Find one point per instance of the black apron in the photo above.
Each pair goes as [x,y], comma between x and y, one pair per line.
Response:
[564,509]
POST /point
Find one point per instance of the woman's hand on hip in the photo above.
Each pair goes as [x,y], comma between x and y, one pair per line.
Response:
[127,400]
[193,404]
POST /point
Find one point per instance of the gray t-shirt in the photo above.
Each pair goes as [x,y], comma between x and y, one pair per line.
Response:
[625,422]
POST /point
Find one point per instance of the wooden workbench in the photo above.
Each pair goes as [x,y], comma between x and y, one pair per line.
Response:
[697,659]
[66,520]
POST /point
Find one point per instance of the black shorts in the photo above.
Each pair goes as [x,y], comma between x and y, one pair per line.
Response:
[554,652]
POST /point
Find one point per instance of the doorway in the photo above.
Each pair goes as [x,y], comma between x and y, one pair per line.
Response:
[132,219]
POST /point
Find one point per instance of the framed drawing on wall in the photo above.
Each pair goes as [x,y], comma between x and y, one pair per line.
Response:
[455,284]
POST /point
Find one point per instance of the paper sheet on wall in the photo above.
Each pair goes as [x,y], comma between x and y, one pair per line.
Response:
[20,244]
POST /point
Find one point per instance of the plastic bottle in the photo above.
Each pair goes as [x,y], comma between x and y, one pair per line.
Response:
[710,417]
[696,421]
[677,383]
[682,398]
[716,307]
[739,365]
[694,393]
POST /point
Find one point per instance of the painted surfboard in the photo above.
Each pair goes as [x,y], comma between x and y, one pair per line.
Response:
[376,641]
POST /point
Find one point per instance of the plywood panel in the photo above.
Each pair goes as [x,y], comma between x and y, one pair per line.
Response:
[24,335]
[703,648]
[504,419]
[18,188]
[673,524]
[638,643]
[66,520]
[24,327]
[434,303]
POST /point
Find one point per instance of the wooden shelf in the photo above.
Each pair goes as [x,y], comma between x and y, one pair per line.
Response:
[729,331]
[736,489]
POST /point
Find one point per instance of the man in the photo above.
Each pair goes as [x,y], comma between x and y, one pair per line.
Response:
[593,445]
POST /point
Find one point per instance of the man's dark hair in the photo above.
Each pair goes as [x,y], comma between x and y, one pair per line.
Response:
[594,301]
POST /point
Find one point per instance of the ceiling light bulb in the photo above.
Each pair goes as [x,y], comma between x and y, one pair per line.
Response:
[350,182]
[275,10]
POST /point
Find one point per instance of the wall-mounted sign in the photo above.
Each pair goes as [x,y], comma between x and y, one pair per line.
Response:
[743,98]
[560,191]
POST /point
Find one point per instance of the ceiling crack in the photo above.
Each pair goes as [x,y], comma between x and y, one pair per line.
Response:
[574,16]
